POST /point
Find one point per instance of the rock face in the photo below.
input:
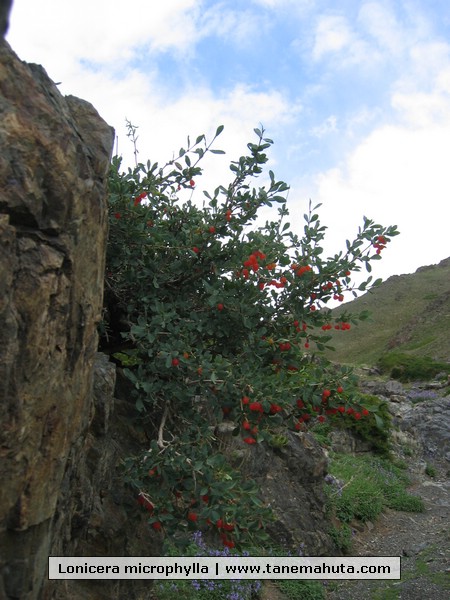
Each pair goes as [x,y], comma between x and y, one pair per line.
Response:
[54,159]
[291,480]
[429,424]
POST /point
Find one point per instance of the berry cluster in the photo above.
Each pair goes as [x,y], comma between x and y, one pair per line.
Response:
[380,243]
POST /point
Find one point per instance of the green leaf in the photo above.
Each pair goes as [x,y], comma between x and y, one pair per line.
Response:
[379,421]
[219,130]
[217,151]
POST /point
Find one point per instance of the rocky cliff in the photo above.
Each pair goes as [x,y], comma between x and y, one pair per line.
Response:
[54,454]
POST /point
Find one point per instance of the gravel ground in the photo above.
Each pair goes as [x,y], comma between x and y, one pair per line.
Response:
[421,539]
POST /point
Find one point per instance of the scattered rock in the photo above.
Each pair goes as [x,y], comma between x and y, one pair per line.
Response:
[415,549]
[383,388]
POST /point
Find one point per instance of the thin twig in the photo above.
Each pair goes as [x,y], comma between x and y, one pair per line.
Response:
[161,443]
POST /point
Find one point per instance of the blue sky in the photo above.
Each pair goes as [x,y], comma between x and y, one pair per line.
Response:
[355,95]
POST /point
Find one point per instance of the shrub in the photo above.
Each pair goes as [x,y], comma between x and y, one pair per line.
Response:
[220,319]
[407,367]
[375,428]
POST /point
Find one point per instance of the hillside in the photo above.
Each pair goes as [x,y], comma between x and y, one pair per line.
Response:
[408,313]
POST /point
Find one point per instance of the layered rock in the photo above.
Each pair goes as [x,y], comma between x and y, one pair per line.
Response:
[290,476]
[54,160]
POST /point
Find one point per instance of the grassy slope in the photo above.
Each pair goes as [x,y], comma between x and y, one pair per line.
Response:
[409,313]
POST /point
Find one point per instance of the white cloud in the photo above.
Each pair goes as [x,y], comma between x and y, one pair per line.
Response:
[100,31]
[165,122]
[332,34]
[381,24]
[326,127]
[92,30]
[240,27]
[397,175]
[275,4]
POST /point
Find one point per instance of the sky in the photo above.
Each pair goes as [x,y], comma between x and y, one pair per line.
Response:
[355,95]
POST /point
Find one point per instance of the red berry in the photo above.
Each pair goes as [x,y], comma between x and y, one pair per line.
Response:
[245,400]
[157,526]
[249,440]
[175,362]
[340,389]
[192,183]
[220,306]
[192,517]
[212,229]
[365,412]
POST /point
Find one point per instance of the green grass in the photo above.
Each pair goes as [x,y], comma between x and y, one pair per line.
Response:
[370,484]
[409,313]
[430,470]
[301,590]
